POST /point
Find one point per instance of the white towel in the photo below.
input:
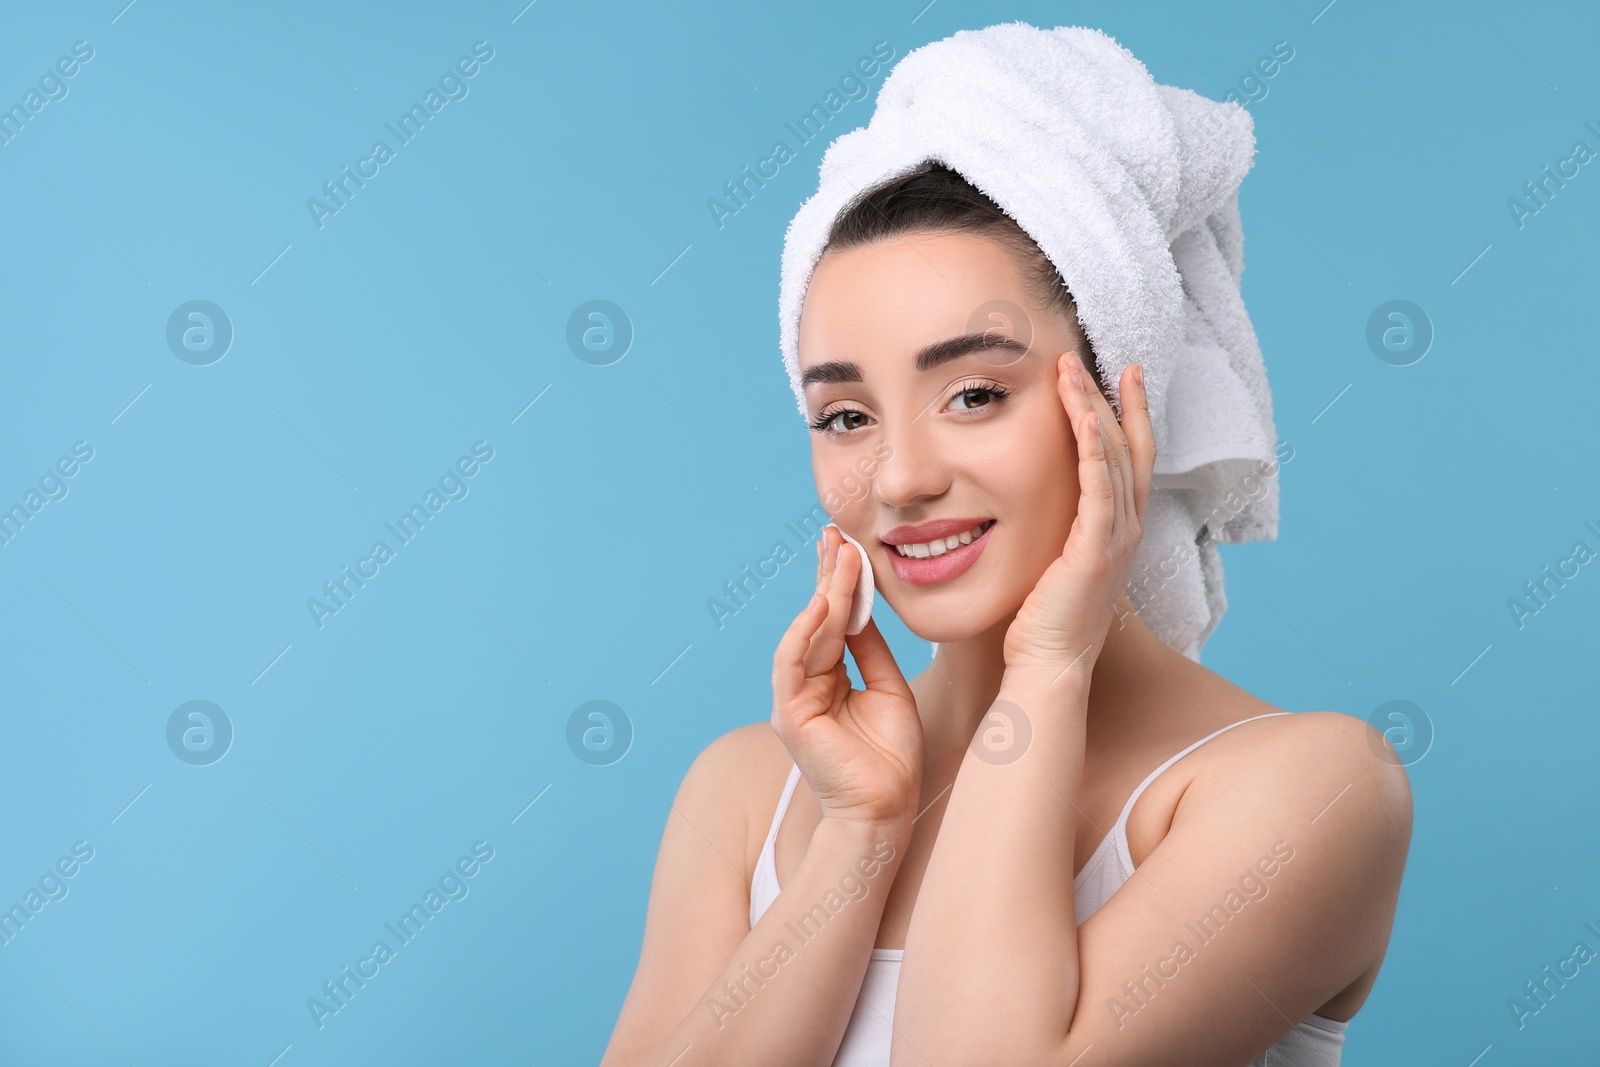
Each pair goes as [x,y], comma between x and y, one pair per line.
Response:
[1131,189]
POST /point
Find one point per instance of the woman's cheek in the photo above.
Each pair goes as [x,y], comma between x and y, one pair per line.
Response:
[1049,502]
[841,488]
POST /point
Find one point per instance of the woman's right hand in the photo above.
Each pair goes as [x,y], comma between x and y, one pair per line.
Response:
[860,751]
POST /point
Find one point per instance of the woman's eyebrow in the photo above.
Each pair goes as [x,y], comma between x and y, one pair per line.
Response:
[933,355]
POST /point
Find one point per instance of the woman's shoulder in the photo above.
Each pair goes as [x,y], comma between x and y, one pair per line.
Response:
[1265,756]
[1332,782]
[743,771]
[1295,739]
[1309,757]
[744,755]
[1336,740]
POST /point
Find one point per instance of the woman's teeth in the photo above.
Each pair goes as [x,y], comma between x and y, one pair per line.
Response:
[945,544]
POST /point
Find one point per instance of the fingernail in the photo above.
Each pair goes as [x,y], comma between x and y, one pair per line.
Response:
[1138,374]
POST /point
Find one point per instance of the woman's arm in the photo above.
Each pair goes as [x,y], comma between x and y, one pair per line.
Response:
[710,990]
[1270,893]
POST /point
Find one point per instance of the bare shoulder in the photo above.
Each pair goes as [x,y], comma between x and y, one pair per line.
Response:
[734,775]
[698,913]
[1294,757]
[743,759]
[1323,746]
[1329,786]
[1334,769]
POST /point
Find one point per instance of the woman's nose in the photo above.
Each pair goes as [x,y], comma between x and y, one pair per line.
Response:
[915,469]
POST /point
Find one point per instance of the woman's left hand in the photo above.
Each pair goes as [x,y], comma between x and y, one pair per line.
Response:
[1064,622]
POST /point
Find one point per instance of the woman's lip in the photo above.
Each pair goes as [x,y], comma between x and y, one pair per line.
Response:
[941,568]
[931,531]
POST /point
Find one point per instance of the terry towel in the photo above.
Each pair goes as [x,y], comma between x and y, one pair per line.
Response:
[1131,189]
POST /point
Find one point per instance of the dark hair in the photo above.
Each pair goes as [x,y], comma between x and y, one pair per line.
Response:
[933,197]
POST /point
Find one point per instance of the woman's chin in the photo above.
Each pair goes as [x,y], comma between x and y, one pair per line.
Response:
[941,627]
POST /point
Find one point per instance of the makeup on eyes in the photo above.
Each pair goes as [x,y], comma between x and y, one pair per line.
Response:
[997,392]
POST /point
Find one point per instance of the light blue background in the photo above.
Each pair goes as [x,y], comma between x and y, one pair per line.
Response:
[428,313]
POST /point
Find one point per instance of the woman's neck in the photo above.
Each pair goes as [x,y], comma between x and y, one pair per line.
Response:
[956,691]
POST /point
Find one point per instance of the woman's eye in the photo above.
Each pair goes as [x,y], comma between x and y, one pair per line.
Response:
[848,420]
[975,397]
[833,422]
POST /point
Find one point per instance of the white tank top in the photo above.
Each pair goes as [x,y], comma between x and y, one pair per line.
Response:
[1314,1041]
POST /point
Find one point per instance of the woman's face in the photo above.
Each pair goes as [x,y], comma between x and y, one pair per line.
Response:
[923,425]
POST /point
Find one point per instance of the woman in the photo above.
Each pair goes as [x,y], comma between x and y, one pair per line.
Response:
[1065,842]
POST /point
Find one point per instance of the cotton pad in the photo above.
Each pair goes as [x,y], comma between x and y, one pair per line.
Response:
[861,599]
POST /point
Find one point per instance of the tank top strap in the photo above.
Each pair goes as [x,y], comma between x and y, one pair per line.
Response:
[764,888]
[783,806]
[1127,809]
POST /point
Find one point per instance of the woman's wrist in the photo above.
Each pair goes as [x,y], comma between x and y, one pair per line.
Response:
[867,832]
[1037,687]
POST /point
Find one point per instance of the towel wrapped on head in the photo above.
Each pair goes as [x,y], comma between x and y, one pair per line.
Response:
[1131,189]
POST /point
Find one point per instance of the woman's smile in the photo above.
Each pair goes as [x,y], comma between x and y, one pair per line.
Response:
[936,552]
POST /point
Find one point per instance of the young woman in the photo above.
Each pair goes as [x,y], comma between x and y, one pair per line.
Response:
[1064,842]
[944,874]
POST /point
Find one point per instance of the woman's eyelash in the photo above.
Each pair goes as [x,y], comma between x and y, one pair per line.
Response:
[821,421]
[994,389]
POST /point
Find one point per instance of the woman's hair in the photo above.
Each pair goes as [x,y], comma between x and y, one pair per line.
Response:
[933,197]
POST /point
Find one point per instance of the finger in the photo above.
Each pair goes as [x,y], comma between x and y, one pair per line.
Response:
[827,646]
[1118,453]
[1114,471]
[1141,438]
[1097,499]
[788,663]
[808,662]
[1116,456]
[824,577]
[876,663]
[847,568]
[1075,384]
[1098,504]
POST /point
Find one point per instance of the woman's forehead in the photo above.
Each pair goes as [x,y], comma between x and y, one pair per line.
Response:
[910,291]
